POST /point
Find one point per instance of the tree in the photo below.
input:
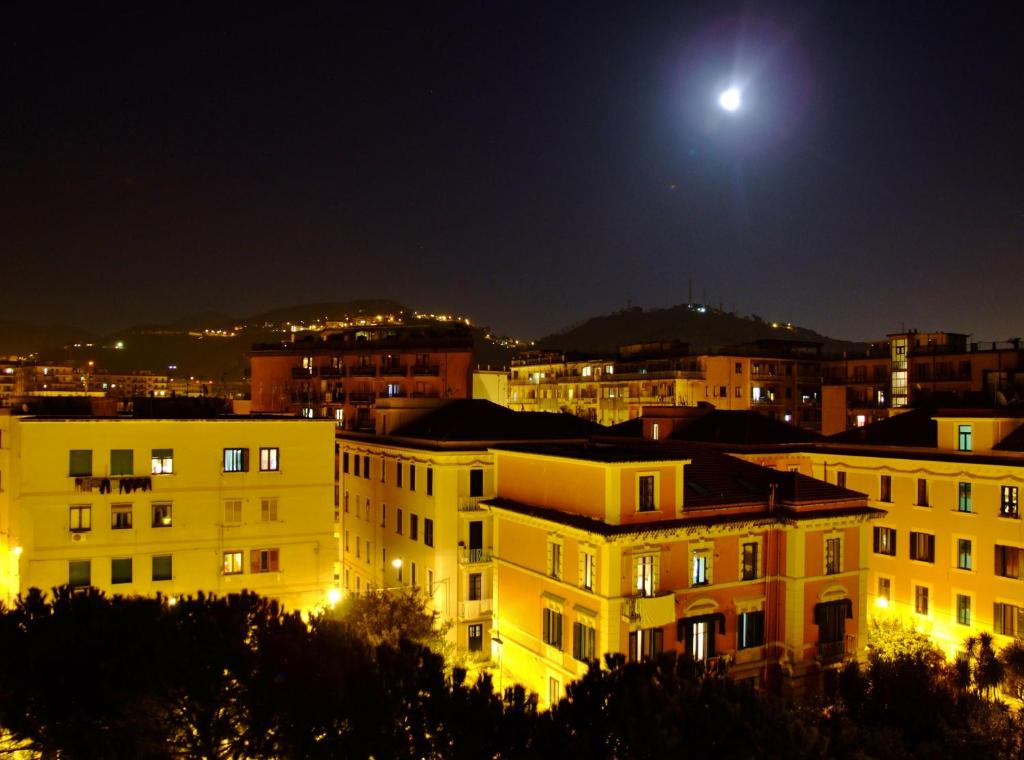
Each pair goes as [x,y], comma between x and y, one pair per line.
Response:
[388,616]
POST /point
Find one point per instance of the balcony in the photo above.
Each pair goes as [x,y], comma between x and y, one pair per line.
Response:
[309,397]
[426,369]
[301,372]
[335,398]
[425,394]
[836,651]
[474,608]
[470,504]
[474,556]
[332,372]
[362,370]
[650,611]
[395,370]
[362,397]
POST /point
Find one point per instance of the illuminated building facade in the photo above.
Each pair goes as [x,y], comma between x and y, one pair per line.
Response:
[641,549]
[410,507]
[342,374]
[169,506]
[779,379]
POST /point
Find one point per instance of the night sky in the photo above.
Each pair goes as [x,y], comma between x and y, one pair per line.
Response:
[528,164]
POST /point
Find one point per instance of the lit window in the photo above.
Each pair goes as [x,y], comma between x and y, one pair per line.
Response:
[554,559]
[922,547]
[646,579]
[163,461]
[236,460]
[269,459]
[699,570]
[749,565]
[233,563]
[587,571]
[885,541]
[645,493]
[655,431]
[885,589]
[80,518]
[307,412]
[1008,501]
[162,515]
[584,642]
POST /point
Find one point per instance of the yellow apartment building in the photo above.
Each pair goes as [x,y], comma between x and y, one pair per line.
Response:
[641,549]
[169,506]
[410,511]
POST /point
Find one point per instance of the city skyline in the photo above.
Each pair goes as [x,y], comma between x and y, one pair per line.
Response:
[529,169]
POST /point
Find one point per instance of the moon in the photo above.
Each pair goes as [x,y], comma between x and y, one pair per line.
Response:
[731,99]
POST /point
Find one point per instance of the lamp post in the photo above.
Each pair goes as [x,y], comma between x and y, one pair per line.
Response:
[496,640]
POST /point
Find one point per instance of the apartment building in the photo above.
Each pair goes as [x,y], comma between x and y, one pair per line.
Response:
[134,505]
[410,507]
[341,374]
[779,379]
[913,368]
[638,549]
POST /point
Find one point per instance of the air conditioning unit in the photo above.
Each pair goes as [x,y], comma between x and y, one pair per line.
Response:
[78,537]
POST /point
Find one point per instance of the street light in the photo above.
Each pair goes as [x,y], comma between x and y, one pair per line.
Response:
[496,640]
[731,99]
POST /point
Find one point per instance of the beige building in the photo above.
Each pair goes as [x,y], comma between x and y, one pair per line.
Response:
[169,506]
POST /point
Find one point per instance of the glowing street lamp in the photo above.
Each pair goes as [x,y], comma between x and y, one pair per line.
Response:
[731,99]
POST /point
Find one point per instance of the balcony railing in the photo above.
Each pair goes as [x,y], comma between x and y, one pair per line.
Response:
[474,556]
[394,371]
[470,504]
[332,372]
[425,394]
[362,397]
[300,372]
[836,651]
[362,370]
[426,369]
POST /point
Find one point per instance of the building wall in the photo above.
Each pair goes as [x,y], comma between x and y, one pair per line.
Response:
[38,506]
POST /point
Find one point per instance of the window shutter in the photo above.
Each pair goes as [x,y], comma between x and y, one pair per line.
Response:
[931,547]
[273,560]
[550,558]
[254,561]
[546,618]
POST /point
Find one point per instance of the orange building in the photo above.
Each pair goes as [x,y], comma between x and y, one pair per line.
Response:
[644,548]
[341,374]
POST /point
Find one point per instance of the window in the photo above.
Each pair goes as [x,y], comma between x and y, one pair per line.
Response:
[344,463]
[269,461]
[963,440]
[476,482]
[885,488]
[922,492]
[750,630]
[346,542]
[120,516]
[412,574]
[263,560]
[430,582]
[268,510]
[921,600]
[384,515]
[428,531]
[398,522]
[121,570]
[833,556]
[552,628]
[236,460]
[162,515]
[1008,561]
[645,497]
[233,563]
[646,580]
[475,586]
[163,462]
[430,481]
[366,466]
[475,637]
[963,501]
[1006,619]
[885,541]
[963,554]
[398,474]
[414,527]
[738,392]
[749,565]
[1008,501]
[885,588]
[79,573]
[383,470]
[922,547]
[80,463]
[963,609]
[584,642]
[122,462]
[233,511]
[554,690]
[699,575]
[841,478]
[739,368]
[587,571]
[554,559]
[162,567]
[80,518]
[412,477]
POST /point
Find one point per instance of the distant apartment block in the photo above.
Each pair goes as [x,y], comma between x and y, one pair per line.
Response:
[168,505]
[343,374]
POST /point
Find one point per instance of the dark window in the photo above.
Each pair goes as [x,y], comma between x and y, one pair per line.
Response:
[833,556]
[80,463]
[476,482]
[885,541]
[1006,619]
[646,495]
[121,570]
[964,559]
[398,474]
[1008,501]
[921,600]
[428,531]
[841,479]
[964,438]
[584,642]
[964,497]
[398,522]
[162,461]
[475,637]
[922,492]
[79,573]
[366,467]
[263,561]
[552,628]
[750,632]
[412,477]
[414,527]
[475,586]
[963,609]
[1007,561]
[645,644]
[885,588]
[430,481]
[344,462]
[885,488]
[162,567]
[750,563]
[122,462]
[922,547]
[120,516]
[831,620]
